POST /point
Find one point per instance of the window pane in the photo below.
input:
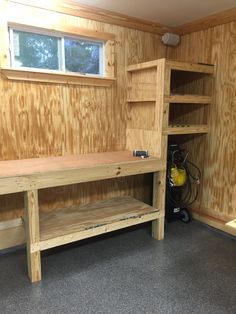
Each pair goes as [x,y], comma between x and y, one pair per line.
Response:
[35,50]
[82,56]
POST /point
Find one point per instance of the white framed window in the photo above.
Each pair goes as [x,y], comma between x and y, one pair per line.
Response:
[52,51]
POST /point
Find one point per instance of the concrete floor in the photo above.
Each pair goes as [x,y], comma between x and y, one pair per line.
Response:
[192,271]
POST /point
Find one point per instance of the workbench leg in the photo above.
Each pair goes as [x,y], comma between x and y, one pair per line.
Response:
[159,187]
[32,235]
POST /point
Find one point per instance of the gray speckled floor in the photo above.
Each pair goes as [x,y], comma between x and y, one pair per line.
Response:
[192,271]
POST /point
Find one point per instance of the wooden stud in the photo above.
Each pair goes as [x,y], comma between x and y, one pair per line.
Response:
[32,234]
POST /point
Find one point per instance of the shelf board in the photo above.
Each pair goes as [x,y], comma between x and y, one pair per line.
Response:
[188,129]
[141,100]
[188,99]
[190,67]
[79,222]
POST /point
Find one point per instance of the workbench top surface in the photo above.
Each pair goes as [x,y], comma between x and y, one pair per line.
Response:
[11,168]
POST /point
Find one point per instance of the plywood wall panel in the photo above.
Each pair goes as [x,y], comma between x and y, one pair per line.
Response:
[221,157]
[216,154]
[31,120]
[38,119]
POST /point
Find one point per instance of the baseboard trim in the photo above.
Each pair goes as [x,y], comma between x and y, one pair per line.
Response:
[215,223]
[12,232]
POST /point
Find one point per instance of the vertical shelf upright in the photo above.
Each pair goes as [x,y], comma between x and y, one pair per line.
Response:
[144,124]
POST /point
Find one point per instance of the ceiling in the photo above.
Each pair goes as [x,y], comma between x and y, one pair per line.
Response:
[167,12]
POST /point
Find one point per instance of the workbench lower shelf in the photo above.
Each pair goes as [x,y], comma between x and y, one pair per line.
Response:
[68,225]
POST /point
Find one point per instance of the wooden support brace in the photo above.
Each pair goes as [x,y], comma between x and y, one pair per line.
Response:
[32,234]
[159,186]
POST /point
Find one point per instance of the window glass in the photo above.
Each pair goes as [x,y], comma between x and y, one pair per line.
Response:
[82,56]
[42,51]
[35,50]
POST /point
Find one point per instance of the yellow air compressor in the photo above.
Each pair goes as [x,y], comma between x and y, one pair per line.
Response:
[182,175]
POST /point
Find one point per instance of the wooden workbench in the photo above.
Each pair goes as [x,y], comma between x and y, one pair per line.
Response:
[44,231]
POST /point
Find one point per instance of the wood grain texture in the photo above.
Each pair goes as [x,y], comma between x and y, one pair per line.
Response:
[37,174]
[215,153]
[42,120]
[36,166]
[88,233]
[141,139]
[79,218]
[142,84]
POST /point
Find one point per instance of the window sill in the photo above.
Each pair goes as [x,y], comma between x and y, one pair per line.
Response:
[55,77]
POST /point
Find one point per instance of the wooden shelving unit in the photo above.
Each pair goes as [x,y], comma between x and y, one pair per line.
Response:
[166,94]
[162,99]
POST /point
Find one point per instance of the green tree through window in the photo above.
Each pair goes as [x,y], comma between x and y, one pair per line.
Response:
[82,56]
[36,50]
